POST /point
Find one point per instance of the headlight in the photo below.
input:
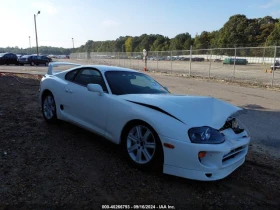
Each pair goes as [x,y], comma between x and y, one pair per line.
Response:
[205,135]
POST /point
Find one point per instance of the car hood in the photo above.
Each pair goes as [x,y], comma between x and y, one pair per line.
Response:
[194,111]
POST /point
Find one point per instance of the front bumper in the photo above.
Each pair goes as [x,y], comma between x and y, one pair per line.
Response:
[220,159]
[203,175]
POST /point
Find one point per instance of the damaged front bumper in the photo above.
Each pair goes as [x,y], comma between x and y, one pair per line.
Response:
[219,161]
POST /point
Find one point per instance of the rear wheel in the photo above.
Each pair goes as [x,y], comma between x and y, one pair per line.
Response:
[143,147]
[49,108]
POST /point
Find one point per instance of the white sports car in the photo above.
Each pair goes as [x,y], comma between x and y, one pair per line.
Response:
[188,136]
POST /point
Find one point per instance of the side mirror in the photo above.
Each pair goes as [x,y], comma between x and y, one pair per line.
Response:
[95,88]
[166,88]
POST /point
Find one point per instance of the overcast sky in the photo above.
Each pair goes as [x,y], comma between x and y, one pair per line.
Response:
[99,20]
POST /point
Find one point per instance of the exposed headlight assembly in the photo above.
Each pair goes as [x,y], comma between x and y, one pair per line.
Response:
[205,135]
[235,124]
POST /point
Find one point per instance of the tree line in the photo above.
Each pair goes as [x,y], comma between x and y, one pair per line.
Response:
[45,50]
[238,31]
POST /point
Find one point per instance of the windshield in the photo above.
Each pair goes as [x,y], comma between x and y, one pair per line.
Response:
[126,82]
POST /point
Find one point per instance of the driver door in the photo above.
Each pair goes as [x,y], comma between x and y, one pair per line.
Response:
[84,107]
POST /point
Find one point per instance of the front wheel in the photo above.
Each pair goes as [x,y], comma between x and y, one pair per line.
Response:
[142,147]
[49,108]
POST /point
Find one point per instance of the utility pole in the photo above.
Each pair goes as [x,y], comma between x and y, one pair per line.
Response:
[73,42]
[36,32]
[29,46]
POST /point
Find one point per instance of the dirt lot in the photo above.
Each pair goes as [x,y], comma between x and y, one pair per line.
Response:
[44,166]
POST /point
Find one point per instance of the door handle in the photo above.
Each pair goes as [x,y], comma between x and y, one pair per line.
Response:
[68,90]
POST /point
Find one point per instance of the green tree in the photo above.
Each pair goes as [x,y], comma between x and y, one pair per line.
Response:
[128,44]
[180,42]
[274,37]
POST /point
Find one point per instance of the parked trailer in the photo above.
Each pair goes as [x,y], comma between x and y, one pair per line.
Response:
[238,61]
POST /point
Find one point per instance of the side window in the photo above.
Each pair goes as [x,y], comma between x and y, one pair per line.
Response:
[90,76]
[70,75]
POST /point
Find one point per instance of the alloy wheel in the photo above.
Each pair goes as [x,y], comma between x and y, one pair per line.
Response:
[141,144]
[49,107]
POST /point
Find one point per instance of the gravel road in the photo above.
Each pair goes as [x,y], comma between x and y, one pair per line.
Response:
[44,166]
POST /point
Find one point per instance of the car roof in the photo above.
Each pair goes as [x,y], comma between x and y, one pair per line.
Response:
[104,68]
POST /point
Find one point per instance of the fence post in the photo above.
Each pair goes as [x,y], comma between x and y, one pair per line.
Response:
[234,62]
[171,60]
[263,55]
[210,63]
[272,80]
[157,60]
[190,61]
[132,57]
[124,60]
[138,63]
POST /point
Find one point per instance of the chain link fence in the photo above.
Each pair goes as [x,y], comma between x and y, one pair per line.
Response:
[248,64]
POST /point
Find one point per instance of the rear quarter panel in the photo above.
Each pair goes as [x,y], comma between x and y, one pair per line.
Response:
[56,86]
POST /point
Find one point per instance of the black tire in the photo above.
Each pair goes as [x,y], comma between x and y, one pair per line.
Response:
[21,64]
[49,108]
[156,161]
[32,63]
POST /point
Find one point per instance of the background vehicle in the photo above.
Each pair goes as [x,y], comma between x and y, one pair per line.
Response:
[46,58]
[198,59]
[238,61]
[276,65]
[8,58]
[33,60]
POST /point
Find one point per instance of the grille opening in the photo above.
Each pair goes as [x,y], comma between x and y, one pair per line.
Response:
[233,153]
[227,158]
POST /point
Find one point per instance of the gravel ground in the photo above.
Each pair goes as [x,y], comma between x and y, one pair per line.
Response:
[49,166]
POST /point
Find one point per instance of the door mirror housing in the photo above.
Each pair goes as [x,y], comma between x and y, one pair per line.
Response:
[95,88]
